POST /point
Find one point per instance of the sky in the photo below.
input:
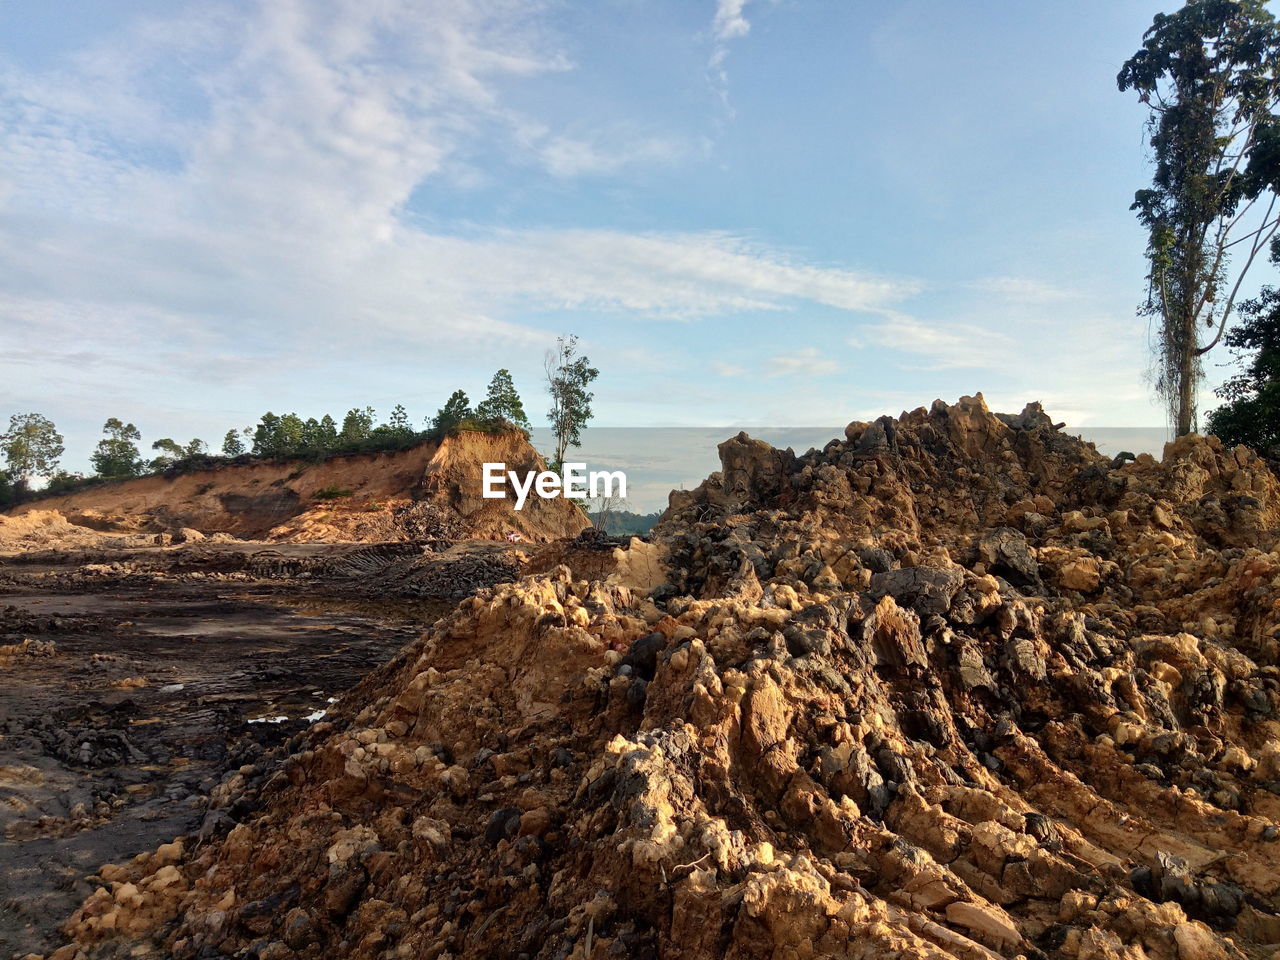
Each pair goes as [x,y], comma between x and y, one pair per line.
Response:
[752,212]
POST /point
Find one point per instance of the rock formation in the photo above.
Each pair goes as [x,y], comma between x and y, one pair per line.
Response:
[955,685]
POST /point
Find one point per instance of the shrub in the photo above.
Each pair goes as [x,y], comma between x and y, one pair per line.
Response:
[331,492]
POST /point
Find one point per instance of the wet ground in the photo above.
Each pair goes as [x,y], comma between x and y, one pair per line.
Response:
[126,699]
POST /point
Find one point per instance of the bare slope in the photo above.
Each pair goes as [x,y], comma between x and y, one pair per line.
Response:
[953,686]
[428,490]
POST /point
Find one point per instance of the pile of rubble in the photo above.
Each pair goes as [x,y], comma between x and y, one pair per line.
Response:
[955,685]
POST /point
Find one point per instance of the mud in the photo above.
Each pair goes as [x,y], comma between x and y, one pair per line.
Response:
[129,697]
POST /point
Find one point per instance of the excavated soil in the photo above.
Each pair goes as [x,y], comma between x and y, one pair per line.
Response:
[429,491]
[953,686]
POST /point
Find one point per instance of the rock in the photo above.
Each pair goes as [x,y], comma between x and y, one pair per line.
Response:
[927,590]
[955,683]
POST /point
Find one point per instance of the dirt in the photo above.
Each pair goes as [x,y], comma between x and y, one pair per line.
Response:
[428,491]
[127,700]
[953,685]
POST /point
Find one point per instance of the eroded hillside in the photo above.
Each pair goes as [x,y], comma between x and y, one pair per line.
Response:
[954,685]
[432,490]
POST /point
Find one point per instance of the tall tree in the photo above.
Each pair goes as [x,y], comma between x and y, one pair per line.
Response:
[1209,75]
[399,421]
[117,456]
[503,402]
[456,409]
[32,447]
[319,437]
[170,452]
[266,436]
[1251,414]
[357,425]
[568,377]
[232,445]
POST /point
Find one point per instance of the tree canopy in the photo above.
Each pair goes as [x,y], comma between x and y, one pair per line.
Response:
[32,447]
[1209,75]
[1251,414]
[502,402]
[568,377]
[117,456]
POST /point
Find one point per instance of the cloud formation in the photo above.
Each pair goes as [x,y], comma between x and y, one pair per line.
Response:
[252,178]
[936,346]
[807,361]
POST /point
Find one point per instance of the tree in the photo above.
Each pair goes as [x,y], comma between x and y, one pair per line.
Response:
[357,425]
[32,448]
[232,445]
[568,377]
[319,437]
[399,422]
[170,453]
[1251,414]
[117,457]
[455,410]
[266,436]
[1209,74]
[292,431]
[502,402]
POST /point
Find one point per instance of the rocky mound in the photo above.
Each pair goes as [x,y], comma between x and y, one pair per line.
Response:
[429,491]
[954,685]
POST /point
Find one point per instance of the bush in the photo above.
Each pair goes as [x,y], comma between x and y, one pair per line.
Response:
[331,492]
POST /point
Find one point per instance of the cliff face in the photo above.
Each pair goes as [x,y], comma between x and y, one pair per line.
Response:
[425,491]
[954,685]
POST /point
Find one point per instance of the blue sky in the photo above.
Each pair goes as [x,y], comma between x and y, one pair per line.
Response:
[753,212]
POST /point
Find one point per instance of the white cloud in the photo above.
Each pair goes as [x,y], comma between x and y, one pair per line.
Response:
[608,153]
[728,25]
[727,369]
[250,175]
[941,347]
[1023,290]
[807,361]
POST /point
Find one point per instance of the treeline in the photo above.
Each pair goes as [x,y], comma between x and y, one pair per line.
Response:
[624,523]
[33,447]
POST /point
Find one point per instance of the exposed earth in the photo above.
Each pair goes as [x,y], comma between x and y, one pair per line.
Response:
[953,686]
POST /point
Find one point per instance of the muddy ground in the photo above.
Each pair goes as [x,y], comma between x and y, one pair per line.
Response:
[130,694]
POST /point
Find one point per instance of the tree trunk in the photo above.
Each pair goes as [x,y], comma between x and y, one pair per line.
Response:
[1188,375]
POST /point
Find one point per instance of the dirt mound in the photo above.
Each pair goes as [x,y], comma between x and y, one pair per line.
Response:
[427,491]
[954,685]
[43,529]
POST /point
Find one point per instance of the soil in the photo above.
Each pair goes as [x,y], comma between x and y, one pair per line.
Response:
[129,698]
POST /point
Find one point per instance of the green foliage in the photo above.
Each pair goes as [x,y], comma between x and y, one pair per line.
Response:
[456,410]
[1251,414]
[503,402]
[174,455]
[1210,74]
[117,457]
[399,422]
[8,492]
[357,425]
[63,482]
[32,447]
[568,377]
[623,523]
[331,492]
[232,445]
